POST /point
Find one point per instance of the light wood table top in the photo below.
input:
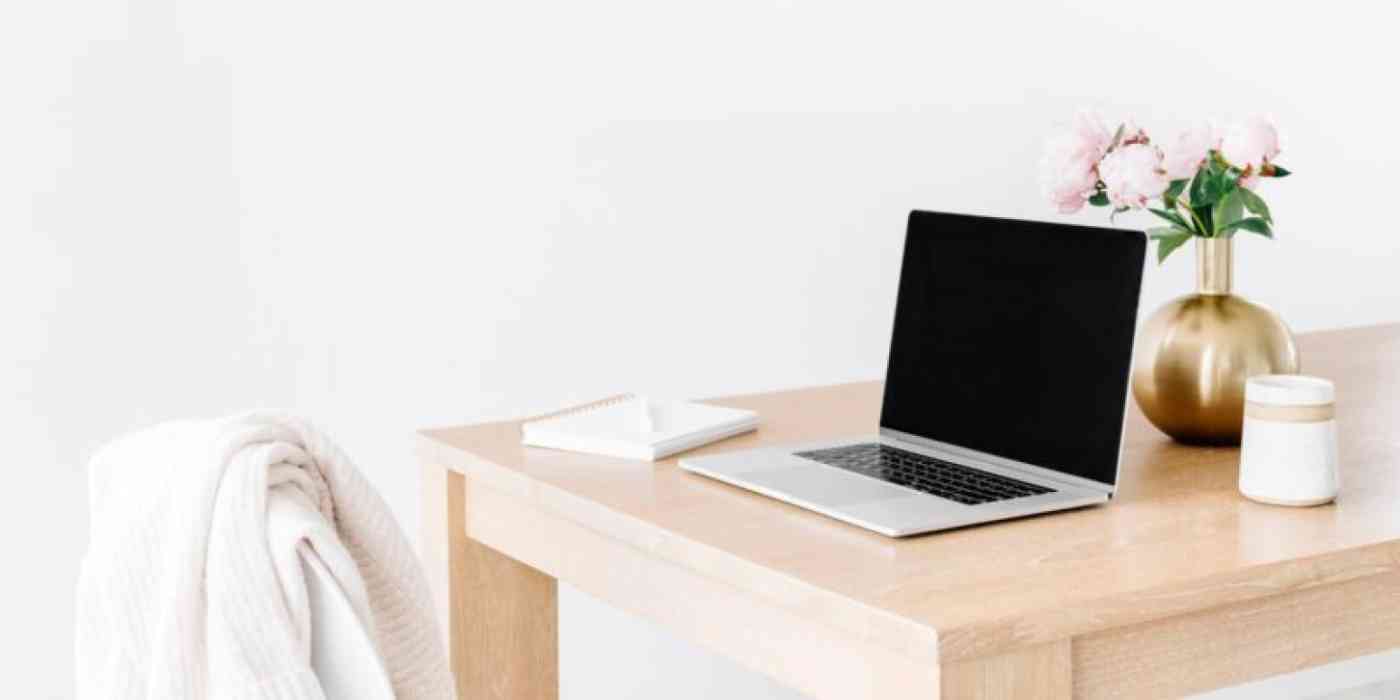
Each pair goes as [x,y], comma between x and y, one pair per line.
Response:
[1176,540]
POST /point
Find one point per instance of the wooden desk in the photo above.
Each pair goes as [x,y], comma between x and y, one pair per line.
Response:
[1179,585]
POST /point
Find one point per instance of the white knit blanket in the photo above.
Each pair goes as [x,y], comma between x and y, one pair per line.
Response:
[192,588]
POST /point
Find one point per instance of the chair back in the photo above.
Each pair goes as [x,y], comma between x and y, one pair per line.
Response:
[342,653]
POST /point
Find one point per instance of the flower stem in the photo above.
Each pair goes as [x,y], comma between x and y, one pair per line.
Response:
[1200,225]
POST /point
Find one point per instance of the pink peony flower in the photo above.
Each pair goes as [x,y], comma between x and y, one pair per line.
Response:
[1133,174]
[1184,157]
[1249,181]
[1068,183]
[1253,141]
[1068,170]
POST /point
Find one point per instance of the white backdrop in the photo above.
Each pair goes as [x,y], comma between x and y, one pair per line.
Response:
[398,215]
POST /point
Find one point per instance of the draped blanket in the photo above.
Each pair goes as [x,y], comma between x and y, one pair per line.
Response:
[192,586]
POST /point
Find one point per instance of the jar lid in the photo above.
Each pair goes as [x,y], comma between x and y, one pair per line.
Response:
[1289,390]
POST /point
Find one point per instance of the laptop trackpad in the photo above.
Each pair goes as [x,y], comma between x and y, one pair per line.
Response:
[822,485]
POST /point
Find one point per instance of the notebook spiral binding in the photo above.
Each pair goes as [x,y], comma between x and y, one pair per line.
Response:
[581,408]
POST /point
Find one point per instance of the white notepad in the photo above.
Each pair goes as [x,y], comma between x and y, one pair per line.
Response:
[634,427]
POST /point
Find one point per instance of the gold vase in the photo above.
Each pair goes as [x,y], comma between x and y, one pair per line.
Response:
[1194,354]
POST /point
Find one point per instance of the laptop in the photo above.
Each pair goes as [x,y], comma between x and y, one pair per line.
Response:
[1006,389]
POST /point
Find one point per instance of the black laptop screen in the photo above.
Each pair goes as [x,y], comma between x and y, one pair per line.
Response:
[1015,338]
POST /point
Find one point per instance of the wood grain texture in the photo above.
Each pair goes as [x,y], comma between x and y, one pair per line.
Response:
[1238,643]
[781,642]
[502,615]
[1032,673]
[1177,539]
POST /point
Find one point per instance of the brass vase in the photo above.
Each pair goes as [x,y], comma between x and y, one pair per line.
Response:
[1194,354]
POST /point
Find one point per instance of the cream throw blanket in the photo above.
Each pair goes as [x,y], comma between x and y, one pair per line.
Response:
[192,588]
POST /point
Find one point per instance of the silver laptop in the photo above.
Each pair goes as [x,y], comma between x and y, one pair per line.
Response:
[1006,388]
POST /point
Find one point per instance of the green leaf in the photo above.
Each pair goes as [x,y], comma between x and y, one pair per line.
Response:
[1280,171]
[1161,232]
[1228,210]
[1099,199]
[1168,239]
[1198,188]
[1252,224]
[1203,215]
[1220,184]
[1174,191]
[1255,205]
[1209,185]
[1171,217]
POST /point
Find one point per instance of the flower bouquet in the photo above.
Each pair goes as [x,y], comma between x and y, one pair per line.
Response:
[1202,184]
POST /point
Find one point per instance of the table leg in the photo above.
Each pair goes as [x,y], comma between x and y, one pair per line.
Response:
[501,616]
[1036,673]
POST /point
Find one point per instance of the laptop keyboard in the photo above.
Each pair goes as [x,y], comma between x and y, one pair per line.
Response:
[923,473]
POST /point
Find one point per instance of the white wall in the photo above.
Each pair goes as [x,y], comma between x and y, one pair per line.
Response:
[401,214]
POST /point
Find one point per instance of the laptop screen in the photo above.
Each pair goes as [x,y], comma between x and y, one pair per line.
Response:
[1015,338]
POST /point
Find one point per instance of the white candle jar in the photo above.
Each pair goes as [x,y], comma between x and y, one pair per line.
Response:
[1288,452]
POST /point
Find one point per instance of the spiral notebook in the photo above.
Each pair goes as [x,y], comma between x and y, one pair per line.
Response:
[635,427]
